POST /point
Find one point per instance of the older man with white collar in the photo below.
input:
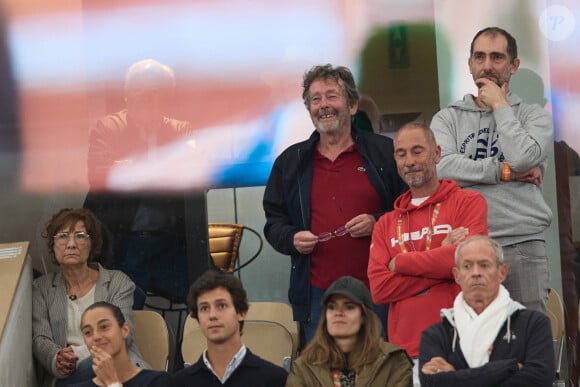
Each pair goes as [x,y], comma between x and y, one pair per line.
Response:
[486,339]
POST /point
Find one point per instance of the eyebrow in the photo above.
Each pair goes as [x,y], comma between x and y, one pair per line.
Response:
[414,147]
[333,90]
[491,53]
[98,322]
[214,301]
[73,231]
[476,260]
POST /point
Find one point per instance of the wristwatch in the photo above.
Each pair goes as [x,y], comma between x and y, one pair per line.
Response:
[116,384]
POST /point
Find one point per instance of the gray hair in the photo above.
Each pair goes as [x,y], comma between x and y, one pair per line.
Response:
[149,71]
[492,243]
[340,74]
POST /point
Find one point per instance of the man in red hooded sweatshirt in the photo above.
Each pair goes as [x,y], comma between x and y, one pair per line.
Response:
[413,246]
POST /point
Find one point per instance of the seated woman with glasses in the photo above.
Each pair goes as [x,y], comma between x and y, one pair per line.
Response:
[347,349]
[59,299]
[105,332]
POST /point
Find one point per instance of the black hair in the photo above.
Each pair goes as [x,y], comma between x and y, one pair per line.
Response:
[512,46]
[213,279]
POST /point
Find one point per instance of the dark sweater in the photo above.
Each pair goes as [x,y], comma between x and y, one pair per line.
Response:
[253,371]
[530,345]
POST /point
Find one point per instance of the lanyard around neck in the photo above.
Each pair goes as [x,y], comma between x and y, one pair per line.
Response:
[400,238]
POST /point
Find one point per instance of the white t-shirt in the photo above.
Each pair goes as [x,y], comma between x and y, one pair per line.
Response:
[74,336]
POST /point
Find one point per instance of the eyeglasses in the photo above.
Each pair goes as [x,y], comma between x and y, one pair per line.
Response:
[326,236]
[80,237]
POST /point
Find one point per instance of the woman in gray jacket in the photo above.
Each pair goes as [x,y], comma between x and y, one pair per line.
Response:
[59,299]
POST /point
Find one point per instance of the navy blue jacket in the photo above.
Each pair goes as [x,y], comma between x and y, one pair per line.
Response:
[287,201]
[253,371]
[530,344]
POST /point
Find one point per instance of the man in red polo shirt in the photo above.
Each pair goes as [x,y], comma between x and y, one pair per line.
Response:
[325,194]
